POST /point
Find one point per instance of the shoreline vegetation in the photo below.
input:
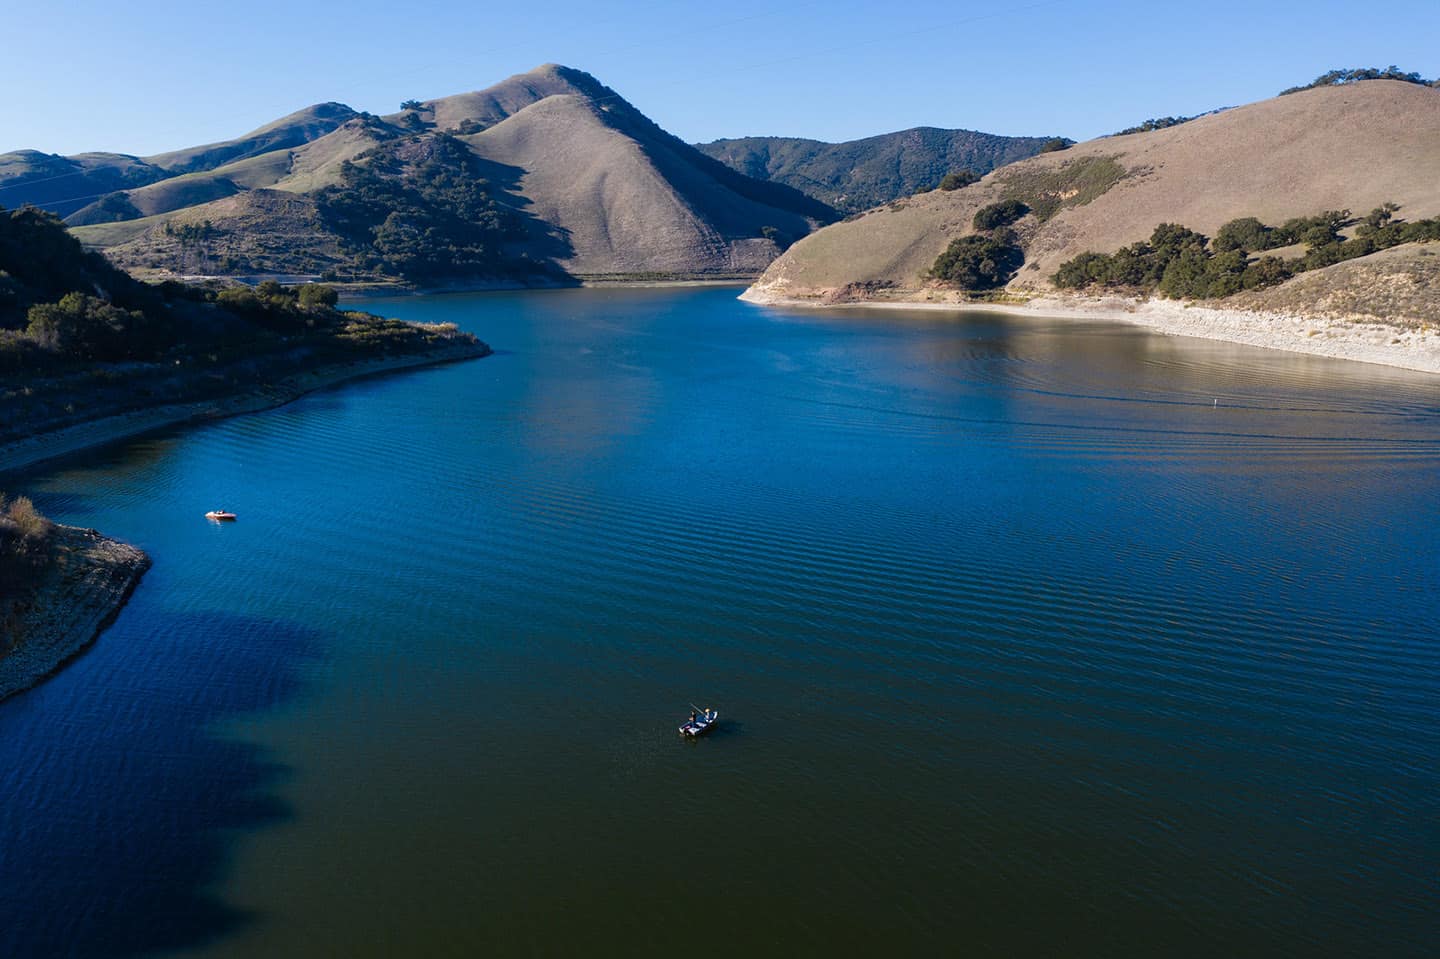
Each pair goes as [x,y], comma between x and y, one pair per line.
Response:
[90,356]
[1357,338]
[29,450]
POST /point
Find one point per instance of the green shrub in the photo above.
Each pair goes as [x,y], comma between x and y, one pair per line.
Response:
[84,327]
[314,295]
[25,544]
[1246,233]
[959,179]
[998,214]
[1055,145]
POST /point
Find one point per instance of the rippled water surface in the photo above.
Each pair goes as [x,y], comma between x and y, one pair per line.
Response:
[1031,638]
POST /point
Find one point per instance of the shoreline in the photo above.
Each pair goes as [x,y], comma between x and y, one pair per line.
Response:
[365,290]
[583,283]
[1358,340]
[96,578]
[41,447]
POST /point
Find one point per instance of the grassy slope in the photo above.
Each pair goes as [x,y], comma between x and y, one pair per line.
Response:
[624,205]
[265,231]
[1329,148]
[265,226]
[298,128]
[496,103]
[1400,286]
[860,174]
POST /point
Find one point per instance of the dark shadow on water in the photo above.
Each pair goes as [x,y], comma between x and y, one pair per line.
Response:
[121,795]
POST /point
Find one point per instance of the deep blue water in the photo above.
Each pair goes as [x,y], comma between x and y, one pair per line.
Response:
[1031,638]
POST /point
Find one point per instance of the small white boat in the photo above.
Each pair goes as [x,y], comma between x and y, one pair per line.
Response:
[700,722]
[220,514]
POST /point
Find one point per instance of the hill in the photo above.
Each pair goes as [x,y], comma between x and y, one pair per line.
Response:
[546,177]
[1330,148]
[84,186]
[294,130]
[64,185]
[859,174]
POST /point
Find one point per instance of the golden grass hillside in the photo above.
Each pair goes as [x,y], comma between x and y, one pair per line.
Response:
[1354,147]
[1399,286]
[622,206]
[600,191]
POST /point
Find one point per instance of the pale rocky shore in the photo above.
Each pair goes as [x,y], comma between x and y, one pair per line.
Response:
[44,446]
[1363,339]
[93,578]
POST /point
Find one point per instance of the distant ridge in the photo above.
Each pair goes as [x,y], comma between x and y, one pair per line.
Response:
[859,174]
[298,128]
[556,177]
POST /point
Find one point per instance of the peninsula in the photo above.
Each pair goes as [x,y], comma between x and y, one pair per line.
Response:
[1305,222]
[64,585]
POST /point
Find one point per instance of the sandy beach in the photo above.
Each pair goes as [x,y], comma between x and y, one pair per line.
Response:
[1363,341]
[36,449]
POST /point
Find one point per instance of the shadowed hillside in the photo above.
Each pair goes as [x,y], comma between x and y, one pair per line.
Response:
[1332,148]
[859,174]
[64,185]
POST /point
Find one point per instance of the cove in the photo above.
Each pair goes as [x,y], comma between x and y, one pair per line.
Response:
[1031,637]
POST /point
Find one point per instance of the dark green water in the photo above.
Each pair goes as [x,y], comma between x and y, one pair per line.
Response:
[1025,647]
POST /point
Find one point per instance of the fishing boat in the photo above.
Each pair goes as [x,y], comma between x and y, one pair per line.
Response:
[221,514]
[701,721]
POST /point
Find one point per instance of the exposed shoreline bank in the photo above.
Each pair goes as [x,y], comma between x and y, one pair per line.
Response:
[94,578]
[28,452]
[1359,340]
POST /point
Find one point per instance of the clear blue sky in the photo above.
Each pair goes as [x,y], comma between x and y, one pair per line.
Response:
[150,75]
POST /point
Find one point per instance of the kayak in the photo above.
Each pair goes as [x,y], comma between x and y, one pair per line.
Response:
[701,724]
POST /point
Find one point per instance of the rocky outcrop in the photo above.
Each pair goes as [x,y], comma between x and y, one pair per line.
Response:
[89,583]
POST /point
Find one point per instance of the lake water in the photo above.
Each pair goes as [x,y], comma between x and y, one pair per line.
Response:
[1030,638]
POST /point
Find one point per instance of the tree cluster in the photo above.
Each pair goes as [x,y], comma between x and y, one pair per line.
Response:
[1335,78]
[980,261]
[419,211]
[1180,263]
[1158,123]
[62,305]
[988,259]
[1056,144]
